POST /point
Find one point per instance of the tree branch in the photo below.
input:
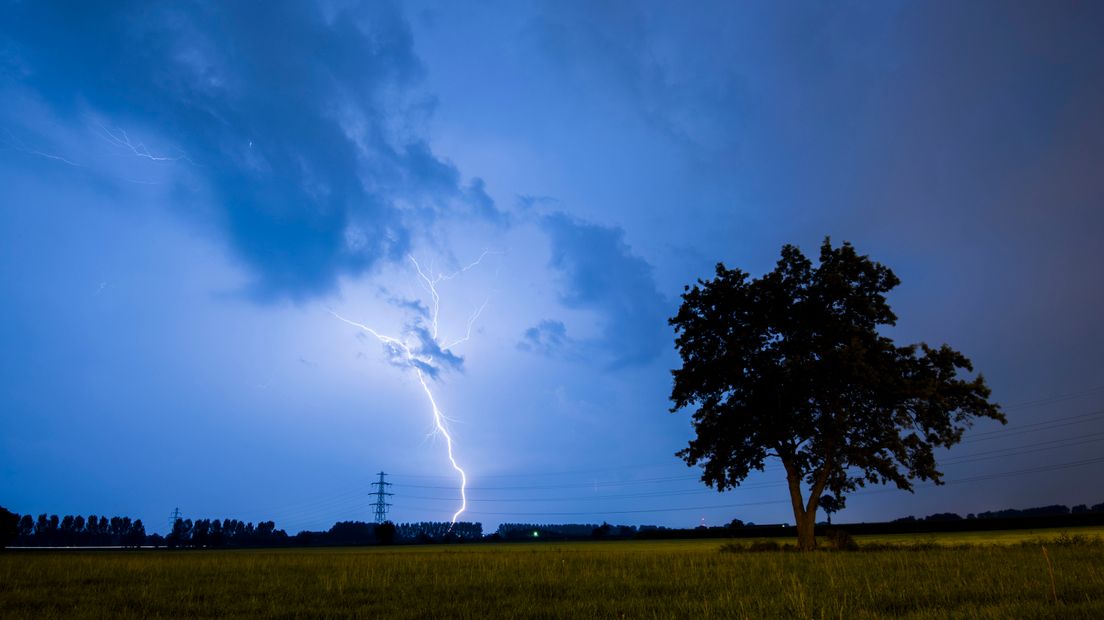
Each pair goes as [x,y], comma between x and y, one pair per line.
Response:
[818,486]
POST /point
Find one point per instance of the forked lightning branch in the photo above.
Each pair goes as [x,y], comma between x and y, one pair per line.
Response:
[422,350]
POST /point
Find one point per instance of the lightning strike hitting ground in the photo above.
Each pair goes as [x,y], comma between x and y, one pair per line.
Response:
[410,354]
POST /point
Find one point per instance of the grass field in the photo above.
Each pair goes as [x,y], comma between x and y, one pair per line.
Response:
[998,537]
[999,577]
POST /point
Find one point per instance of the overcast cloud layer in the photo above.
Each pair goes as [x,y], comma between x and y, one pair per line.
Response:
[191,190]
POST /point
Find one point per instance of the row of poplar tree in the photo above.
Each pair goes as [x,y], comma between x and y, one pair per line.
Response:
[78,531]
[94,531]
[224,533]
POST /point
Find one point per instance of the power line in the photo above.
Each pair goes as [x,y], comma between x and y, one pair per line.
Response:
[989,455]
[537,474]
[590,497]
[984,477]
[1017,429]
[967,458]
[304,510]
[308,509]
[1054,399]
[1027,449]
[966,480]
[993,476]
[560,486]
[1035,426]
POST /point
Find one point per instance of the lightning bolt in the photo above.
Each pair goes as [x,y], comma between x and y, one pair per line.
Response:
[11,141]
[119,139]
[407,355]
[430,285]
[439,421]
[122,140]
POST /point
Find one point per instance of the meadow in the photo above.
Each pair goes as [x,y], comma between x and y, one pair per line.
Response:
[989,575]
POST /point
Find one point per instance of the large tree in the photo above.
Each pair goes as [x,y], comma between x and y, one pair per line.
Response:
[793,365]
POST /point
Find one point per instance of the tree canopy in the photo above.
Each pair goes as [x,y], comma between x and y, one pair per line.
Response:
[793,365]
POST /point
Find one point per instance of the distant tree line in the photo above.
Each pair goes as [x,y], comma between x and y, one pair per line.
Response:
[50,531]
[93,531]
[213,533]
[439,531]
[521,531]
[78,531]
[608,531]
[1042,511]
[99,531]
[361,533]
[342,533]
[1056,510]
[563,531]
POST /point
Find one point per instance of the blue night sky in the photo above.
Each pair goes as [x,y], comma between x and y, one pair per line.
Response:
[191,191]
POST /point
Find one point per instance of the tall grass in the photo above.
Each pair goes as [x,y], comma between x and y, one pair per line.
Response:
[584,580]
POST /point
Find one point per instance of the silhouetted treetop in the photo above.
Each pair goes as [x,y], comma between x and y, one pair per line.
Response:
[792,365]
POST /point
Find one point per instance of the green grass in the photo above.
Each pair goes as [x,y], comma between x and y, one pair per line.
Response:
[662,579]
[1000,537]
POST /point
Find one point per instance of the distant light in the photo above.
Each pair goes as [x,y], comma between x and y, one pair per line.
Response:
[536,534]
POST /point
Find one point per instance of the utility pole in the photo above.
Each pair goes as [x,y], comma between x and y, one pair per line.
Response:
[381,498]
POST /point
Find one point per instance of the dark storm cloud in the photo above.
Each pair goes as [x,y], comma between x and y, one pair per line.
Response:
[600,273]
[621,51]
[429,356]
[475,194]
[528,201]
[412,305]
[547,338]
[292,113]
[959,143]
[423,352]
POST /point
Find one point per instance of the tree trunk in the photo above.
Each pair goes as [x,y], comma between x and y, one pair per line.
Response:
[804,519]
[805,512]
[806,531]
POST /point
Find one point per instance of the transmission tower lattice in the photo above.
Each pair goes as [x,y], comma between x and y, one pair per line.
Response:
[381,497]
[173,518]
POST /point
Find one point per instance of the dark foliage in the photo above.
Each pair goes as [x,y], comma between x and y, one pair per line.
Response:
[1039,511]
[9,527]
[350,533]
[213,533]
[1055,510]
[78,531]
[439,531]
[385,533]
[944,516]
[841,540]
[567,531]
[792,365]
[831,504]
